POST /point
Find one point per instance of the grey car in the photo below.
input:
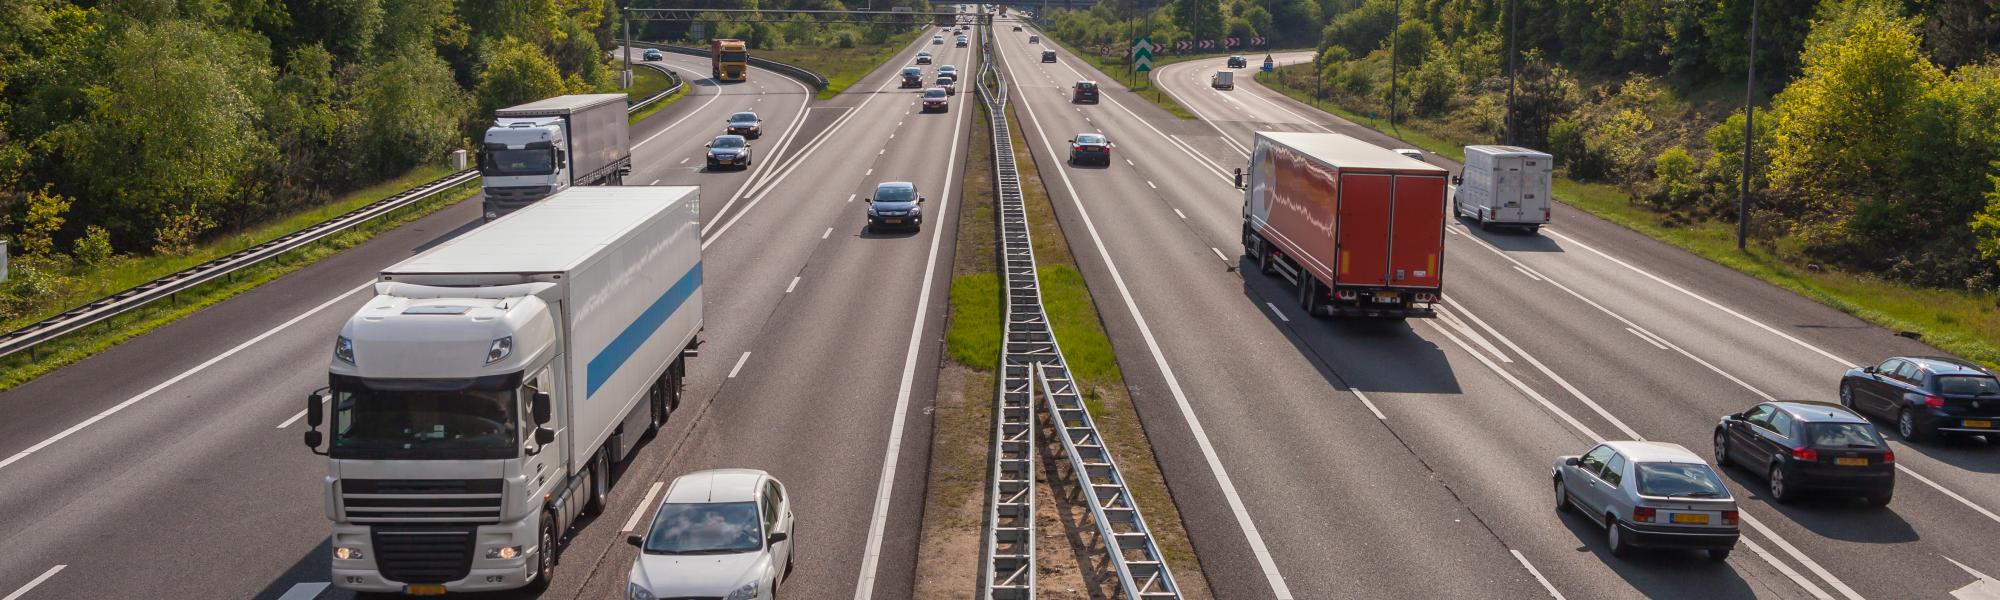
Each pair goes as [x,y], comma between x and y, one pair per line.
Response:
[896,204]
[745,124]
[1648,495]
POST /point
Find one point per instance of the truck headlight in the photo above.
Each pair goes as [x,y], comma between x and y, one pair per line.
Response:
[503,553]
[500,349]
[347,553]
[634,591]
[343,349]
[747,592]
[492,214]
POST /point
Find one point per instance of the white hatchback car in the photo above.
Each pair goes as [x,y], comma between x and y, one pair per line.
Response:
[722,533]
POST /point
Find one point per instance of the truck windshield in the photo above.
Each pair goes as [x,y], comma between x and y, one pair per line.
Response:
[443,419]
[540,161]
[734,56]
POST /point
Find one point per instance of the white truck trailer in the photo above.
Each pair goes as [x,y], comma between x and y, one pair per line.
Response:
[537,149]
[1504,186]
[479,400]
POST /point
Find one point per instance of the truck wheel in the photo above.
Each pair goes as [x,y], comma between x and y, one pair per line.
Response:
[1266,263]
[600,484]
[545,557]
[1308,296]
[656,400]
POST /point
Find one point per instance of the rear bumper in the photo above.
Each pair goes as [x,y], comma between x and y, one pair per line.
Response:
[1653,536]
[1354,310]
[1859,479]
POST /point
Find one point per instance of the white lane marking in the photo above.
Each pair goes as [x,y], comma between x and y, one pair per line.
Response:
[739,365]
[1150,185]
[882,152]
[1129,162]
[1256,540]
[892,136]
[177,378]
[1182,214]
[1983,587]
[772,176]
[1527,273]
[829,231]
[790,286]
[1797,555]
[677,122]
[850,197]
[1186,149]
[1452,319]
[288,422]
[1844,363]
[878,523]
[1371,405]
[871,171]
[1538,574]
[657,182]
[1642,336]
[1280,313]
[1954,495]
[305,591]
[31,584]
[1786,569]
[644,503]
[1219,254]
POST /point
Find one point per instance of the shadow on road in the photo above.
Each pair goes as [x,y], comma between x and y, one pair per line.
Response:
[1662,573]
[1370,355]
[1835,516]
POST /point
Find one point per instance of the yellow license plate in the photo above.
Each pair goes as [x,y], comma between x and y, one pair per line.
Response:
[893,221]
[1385,297]
[1691,519]
[1978,423]
[1846,461]
[424,589]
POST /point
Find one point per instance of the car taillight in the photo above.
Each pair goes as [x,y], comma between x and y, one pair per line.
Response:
[1729,517]
[1642,514]
[1805,454]
[1934,401]
[1889,456]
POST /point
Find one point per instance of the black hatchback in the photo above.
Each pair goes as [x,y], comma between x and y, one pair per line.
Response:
[1799,446]
[1926,396]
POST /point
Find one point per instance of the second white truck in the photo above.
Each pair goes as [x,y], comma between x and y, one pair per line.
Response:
[1504,186]
[478,401]
[543,147]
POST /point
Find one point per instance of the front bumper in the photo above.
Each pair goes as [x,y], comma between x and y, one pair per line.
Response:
[902,222]
[483,574]
[1656,536]
[717,163]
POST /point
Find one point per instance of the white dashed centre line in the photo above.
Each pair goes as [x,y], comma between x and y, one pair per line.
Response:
[829,231]
[640,511]
[1182,214]
[794,284]
[739,365]
[31,584]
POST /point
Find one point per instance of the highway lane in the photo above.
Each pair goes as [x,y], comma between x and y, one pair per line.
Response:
[174,438]
[1720,345]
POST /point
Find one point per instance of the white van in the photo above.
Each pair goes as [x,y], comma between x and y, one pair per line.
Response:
[1223,80]
[1504,186]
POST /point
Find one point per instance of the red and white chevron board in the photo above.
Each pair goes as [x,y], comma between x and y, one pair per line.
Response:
[1233,42]
[1183,45]
[1207,44]
[1256,41]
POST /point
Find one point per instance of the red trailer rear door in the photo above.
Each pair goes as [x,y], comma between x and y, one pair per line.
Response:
[1363,229]
[1418,239]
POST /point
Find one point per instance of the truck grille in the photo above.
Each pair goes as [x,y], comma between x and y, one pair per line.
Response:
[423,554]
[421,500]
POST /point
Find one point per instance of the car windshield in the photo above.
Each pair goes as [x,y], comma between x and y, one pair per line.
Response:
[727,141]
[933,93]
[1842,435]
[895,194]
[1680,479]
[743,117]
[1969,385]
[424,419]
[1089,139]
[1085,86]
[705,528]
[540,161]
[912,72]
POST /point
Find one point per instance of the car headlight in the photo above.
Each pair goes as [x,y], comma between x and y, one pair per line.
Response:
[871,211]
[747,592]
[347,553]
[634,591]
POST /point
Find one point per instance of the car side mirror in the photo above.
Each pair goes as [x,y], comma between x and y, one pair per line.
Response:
[776,537]
[1239,178]
[920,199]
[868,200]
[1570,462]
[1734,417]
[1868,369]
[635,541]
[1072,140]
[708,145]
[544,436]
[538,405]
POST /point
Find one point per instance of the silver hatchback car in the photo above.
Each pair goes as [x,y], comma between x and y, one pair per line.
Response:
[1649,495]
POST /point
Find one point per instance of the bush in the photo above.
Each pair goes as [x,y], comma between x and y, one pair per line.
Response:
[94,248]
[1675,178]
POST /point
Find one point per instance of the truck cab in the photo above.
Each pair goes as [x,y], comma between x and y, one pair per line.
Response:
[537,149]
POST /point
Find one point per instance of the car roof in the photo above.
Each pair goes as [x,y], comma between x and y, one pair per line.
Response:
[715,485]
[1947,366]
[728,136]
[1637,451]
[895,184]
[1818,412]
[1089,135]
[748,113]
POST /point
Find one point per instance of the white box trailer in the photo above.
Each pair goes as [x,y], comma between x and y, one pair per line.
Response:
[501,373]
[1222,80]
[1505,186]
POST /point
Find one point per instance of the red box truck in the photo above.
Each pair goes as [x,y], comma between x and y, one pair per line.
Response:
[1359,228]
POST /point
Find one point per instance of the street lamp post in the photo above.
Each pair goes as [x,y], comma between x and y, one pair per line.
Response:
[1393,27]
[1749,126]
[1513,71]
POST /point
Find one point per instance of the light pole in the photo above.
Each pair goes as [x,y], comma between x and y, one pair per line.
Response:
[1513,71]
[626,15]
[1749,125]
[1394,26]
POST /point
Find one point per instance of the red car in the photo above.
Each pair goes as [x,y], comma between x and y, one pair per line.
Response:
[936,99]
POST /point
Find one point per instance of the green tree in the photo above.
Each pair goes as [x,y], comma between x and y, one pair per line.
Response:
[1201,18]
[411,112]
[517,72]
[1363,29]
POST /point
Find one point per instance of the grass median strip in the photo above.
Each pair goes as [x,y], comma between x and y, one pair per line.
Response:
[840,66]
[645,83]
[1962,323]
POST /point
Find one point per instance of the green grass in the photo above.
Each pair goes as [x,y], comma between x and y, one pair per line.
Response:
[1074,317]
[22,367]
[645,83]
[840,66]
[974,336]
[1962,323]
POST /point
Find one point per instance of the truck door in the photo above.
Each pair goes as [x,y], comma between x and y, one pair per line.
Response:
[1507,189]
[1362,229]
[1417,241]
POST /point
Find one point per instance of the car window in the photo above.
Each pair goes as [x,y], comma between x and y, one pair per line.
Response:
[770,504]
[1907,372]
[1679,479]
[933,93]
[743,116]
[1781,423]
[1089,139]
[1842,435]
[1593,463]
[705,528]
[895,194]
[1614,471]
[728,141]
[1759,416]
[1970,385]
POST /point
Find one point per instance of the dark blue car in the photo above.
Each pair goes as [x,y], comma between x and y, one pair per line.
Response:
[1926,396]
[1800,446]
[895,205]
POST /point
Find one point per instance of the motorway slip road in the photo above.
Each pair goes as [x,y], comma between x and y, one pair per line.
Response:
[1383,459]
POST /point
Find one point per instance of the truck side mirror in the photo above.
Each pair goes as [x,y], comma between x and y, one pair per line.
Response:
[544,436]
[1239,178]
[538,405]
[562,159]
[313,403]
[1458,180]
[313,439]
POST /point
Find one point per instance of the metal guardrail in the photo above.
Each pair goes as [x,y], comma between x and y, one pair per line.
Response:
[796,72]
[1029,356]
[672,76]
[97,311]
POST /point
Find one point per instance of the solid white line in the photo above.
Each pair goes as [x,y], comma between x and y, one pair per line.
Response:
[1538,574]
[1371,405]
[1470,333]
[1643,337]
[305,591]
[1797,555]
[1182,214]
[739,365]
[1787,570]
[1280,313]
[1954,495]
[1150,185]
[1129,162]
[829,231]
[177,378]
[677,122]
[793,284]
[657,182]
[31,584]
[1525,272]
[1524,389]
[683,161]
[644,504]
[1256,540]
[850,197]
[1219,254]
[885,487]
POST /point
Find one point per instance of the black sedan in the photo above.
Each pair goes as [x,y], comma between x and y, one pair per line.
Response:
[728,151]
[1238,62]
[1799,446]
[1926,396]
[1090,148]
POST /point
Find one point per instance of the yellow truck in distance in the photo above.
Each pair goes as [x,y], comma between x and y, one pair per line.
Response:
[729,60]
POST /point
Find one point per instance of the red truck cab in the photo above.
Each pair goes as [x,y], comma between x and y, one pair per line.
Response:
[1359,228]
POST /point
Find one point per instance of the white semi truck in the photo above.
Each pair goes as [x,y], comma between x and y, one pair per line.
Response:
[478,402]
[537,149]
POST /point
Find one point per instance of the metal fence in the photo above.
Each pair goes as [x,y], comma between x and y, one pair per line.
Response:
[817,81]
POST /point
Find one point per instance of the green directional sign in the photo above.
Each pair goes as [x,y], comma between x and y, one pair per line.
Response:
[1142,54]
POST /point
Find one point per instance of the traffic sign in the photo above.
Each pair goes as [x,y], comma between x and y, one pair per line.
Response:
[1256,41]
[1233,42]
[1183,45]
[1142,54]
[1207,44]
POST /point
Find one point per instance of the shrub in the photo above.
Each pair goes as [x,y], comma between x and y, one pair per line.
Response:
[94,248]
